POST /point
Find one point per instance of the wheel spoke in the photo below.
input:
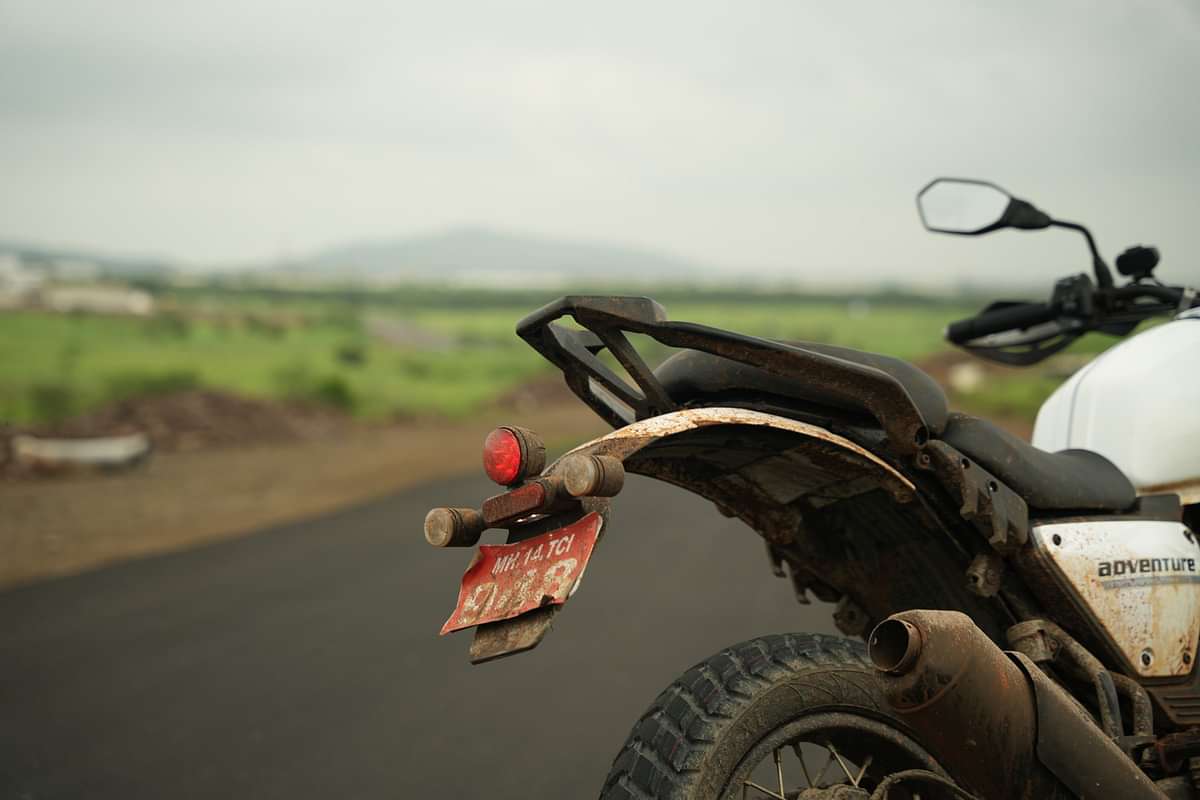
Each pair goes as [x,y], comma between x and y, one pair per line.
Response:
[821,775]
[779,771]
[841,763]
[763,789]
[863,771]
[803,766]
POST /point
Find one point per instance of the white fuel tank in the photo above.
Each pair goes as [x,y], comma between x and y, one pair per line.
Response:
[1137,404]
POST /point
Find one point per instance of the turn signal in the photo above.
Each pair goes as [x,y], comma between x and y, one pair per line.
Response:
[511,454]
[592,476]
[453,527]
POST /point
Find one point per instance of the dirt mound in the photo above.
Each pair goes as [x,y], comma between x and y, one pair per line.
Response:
[540,392]
[202,419]
[193,420]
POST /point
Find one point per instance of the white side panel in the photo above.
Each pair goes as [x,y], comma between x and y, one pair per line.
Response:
[1141,582]
[1138,404]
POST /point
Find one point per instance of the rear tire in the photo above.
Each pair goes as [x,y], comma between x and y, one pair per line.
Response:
[707,733]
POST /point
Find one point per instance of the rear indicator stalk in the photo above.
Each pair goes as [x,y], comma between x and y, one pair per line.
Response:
[535,497]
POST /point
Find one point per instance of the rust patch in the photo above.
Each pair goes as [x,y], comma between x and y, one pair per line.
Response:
[501,507]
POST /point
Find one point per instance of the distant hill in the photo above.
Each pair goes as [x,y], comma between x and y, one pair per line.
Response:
[492,257]
[72,261]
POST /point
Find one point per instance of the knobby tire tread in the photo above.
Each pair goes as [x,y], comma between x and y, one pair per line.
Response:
[667,747]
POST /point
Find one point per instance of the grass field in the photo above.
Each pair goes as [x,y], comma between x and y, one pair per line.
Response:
[398,353]
[55,366]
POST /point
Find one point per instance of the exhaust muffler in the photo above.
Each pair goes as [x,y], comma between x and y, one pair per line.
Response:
[995,721]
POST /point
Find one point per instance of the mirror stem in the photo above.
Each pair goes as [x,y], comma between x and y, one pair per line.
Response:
[1103,276]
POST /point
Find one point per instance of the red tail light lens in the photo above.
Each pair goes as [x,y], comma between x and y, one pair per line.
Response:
[502,456]
[512,454]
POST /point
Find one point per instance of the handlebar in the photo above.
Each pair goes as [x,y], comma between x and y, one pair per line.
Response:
[1166,294]
[1020,316]
[1091,308]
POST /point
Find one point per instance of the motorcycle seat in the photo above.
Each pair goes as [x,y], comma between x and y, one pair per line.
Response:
[1064,481]
[1068,480]
[692,375]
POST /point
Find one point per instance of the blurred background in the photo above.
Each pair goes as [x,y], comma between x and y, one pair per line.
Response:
[268,259]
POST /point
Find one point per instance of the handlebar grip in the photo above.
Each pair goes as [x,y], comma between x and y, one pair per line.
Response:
[1003,319]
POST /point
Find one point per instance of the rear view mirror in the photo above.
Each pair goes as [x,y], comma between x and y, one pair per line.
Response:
[950,205]
[970,207]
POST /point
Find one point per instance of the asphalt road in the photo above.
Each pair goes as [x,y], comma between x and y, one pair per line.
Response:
[304,661]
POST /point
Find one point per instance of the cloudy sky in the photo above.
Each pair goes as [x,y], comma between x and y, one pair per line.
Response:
[784,136]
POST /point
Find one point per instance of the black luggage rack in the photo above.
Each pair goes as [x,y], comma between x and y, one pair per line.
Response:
[606,319]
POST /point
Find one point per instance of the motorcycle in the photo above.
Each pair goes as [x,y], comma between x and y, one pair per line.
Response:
[1021,620]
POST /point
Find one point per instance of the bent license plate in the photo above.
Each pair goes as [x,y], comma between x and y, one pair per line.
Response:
[506,580]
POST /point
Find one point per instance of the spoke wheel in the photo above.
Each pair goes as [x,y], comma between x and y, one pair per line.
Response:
[828,756]
[792,716]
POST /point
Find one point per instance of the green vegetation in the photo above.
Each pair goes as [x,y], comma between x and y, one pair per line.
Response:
[58,365]
[398,353]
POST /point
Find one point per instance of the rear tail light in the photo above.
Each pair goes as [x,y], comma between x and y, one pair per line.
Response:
[512,454]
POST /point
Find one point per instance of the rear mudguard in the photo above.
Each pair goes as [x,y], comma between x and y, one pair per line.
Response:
[759,467]
[852,527]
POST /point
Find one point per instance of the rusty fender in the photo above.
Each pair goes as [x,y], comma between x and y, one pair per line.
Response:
[997,723]
[627,441]
[752,464]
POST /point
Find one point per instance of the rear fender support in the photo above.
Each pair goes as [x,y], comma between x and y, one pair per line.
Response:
[995,510]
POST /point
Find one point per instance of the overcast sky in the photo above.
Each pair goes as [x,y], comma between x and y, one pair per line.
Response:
[786,136]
